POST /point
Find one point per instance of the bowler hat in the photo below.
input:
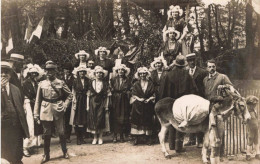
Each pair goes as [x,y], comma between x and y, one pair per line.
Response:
[180,61]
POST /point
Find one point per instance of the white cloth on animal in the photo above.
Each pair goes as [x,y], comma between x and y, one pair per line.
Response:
[190,110]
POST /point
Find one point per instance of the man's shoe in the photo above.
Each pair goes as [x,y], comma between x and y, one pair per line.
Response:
[26,153]
[200,145]
[257,156]
[45,158]
[248,157]
[66,155]
[190,143]
[181,151]
[68,140]
[135,142]
[83,141]
[78,142]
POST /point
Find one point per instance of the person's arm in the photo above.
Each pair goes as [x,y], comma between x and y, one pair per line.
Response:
[38,102]
[68,93]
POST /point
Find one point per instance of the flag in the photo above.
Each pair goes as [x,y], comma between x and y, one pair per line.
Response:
[28,31]
[256,6]
[9,45]
[135,56]
[37,32]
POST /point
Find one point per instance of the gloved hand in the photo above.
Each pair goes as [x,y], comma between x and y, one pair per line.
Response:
[37,119]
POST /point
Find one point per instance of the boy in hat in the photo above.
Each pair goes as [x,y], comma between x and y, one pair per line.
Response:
[252,127]
[13,120]
[50,107]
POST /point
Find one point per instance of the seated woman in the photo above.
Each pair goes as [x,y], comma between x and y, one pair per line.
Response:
[120,112]
[79,105]
[143,97]
[97,105]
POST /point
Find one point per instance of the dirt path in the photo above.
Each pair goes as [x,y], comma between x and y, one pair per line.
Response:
[122,153]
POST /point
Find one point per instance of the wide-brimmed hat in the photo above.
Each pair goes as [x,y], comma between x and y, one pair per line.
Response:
[252,99]
[102,49]
[79,69]
[191,56]
[180,61]
[82,52]
[172,29]
[175,8]
[6,65]
[99,69]
[16,57]
[121,66]
[142,70]
[33,68]
[159,59]
[50,65]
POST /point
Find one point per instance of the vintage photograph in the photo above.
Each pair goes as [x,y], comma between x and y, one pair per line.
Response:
[130,81]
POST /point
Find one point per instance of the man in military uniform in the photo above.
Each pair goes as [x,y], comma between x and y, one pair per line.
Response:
[53,98]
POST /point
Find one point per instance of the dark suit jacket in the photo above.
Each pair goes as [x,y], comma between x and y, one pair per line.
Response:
[198,77]
[18,104]
[158,82]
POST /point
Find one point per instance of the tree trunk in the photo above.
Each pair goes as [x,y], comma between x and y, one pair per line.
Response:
[94,10]
[210,28]
[249,41]
[110,17]
[202,49]
[217,30]
[51,17]
[125,16]
[15,25]
[64,33]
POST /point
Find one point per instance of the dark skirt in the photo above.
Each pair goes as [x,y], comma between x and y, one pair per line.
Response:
[81,113]
[11,141]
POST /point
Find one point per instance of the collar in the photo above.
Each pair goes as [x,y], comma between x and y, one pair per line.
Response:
[212,75]
[193,68]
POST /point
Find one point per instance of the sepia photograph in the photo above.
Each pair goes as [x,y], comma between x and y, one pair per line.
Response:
[130,81]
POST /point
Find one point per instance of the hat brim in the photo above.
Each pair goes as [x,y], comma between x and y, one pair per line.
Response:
[180,65]
[78,54]
[6,68]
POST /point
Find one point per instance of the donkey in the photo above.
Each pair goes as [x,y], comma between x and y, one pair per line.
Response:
[232,102]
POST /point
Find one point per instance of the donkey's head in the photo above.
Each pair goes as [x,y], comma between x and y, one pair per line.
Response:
[238,102]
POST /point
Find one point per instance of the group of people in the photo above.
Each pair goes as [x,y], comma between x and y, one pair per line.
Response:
[98,96]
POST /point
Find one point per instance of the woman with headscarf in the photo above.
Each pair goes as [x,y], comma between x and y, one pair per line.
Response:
[79,104]
[97,105]
[120,111]
[143,97]
[32,74]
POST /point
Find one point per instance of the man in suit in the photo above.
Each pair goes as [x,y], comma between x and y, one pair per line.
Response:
[68,78]
[177,83]
[50,107]
[13,120]
[198,74]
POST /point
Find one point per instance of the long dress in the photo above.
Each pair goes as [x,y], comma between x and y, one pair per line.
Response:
[120,110]
[80,91]
[96,119]
[35,130]
[142,113]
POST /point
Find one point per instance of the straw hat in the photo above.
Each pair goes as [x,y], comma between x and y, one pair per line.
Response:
[142,70]
[82,52]
[16,57]
[6,65]
[159,59]
[33,68]
[190,56]
[121,66]
[102,49]
[78,69]
[172,29]
[174,8]
[100,69]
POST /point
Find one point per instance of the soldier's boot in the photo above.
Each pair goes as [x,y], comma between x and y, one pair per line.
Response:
[82,134]
[46,147]
[63,145]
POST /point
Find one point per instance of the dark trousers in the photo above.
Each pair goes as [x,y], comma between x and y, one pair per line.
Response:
[12,142]
[80,132]
[47,126]
[199,136]
[68,127]
[175,139]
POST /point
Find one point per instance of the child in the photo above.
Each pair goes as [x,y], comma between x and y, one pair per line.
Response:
[252,127]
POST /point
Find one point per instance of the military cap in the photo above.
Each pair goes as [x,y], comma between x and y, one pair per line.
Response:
[50,65]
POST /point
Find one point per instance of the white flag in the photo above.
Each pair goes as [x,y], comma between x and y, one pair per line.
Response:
[38,31]
[9,43]
[256,6]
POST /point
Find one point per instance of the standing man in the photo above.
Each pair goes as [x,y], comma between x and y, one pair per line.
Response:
[52,100]
[212,82]
[68,79]
[197,74]
[16,62]
[177,83]
[13,120]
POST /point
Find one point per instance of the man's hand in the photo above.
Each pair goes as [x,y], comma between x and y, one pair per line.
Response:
[37,119]
[180,41]
[4,81]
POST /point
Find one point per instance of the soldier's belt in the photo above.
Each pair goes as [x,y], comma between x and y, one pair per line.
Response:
[51,100]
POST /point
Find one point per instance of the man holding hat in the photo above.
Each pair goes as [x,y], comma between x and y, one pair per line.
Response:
[177,83]
[197,74]
[13,120]
[52,100]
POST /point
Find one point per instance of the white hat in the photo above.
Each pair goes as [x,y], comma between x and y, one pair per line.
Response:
[33,68]
[157,60]
[174,8]
[78,69]
[6,65]
[16,57]
[100,69]
[82,52]
[172,29]
[121,66]
[142,70]
[102,49]
[190,56]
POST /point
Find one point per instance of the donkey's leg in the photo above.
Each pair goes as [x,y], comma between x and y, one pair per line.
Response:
[162,134]
[205,147]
